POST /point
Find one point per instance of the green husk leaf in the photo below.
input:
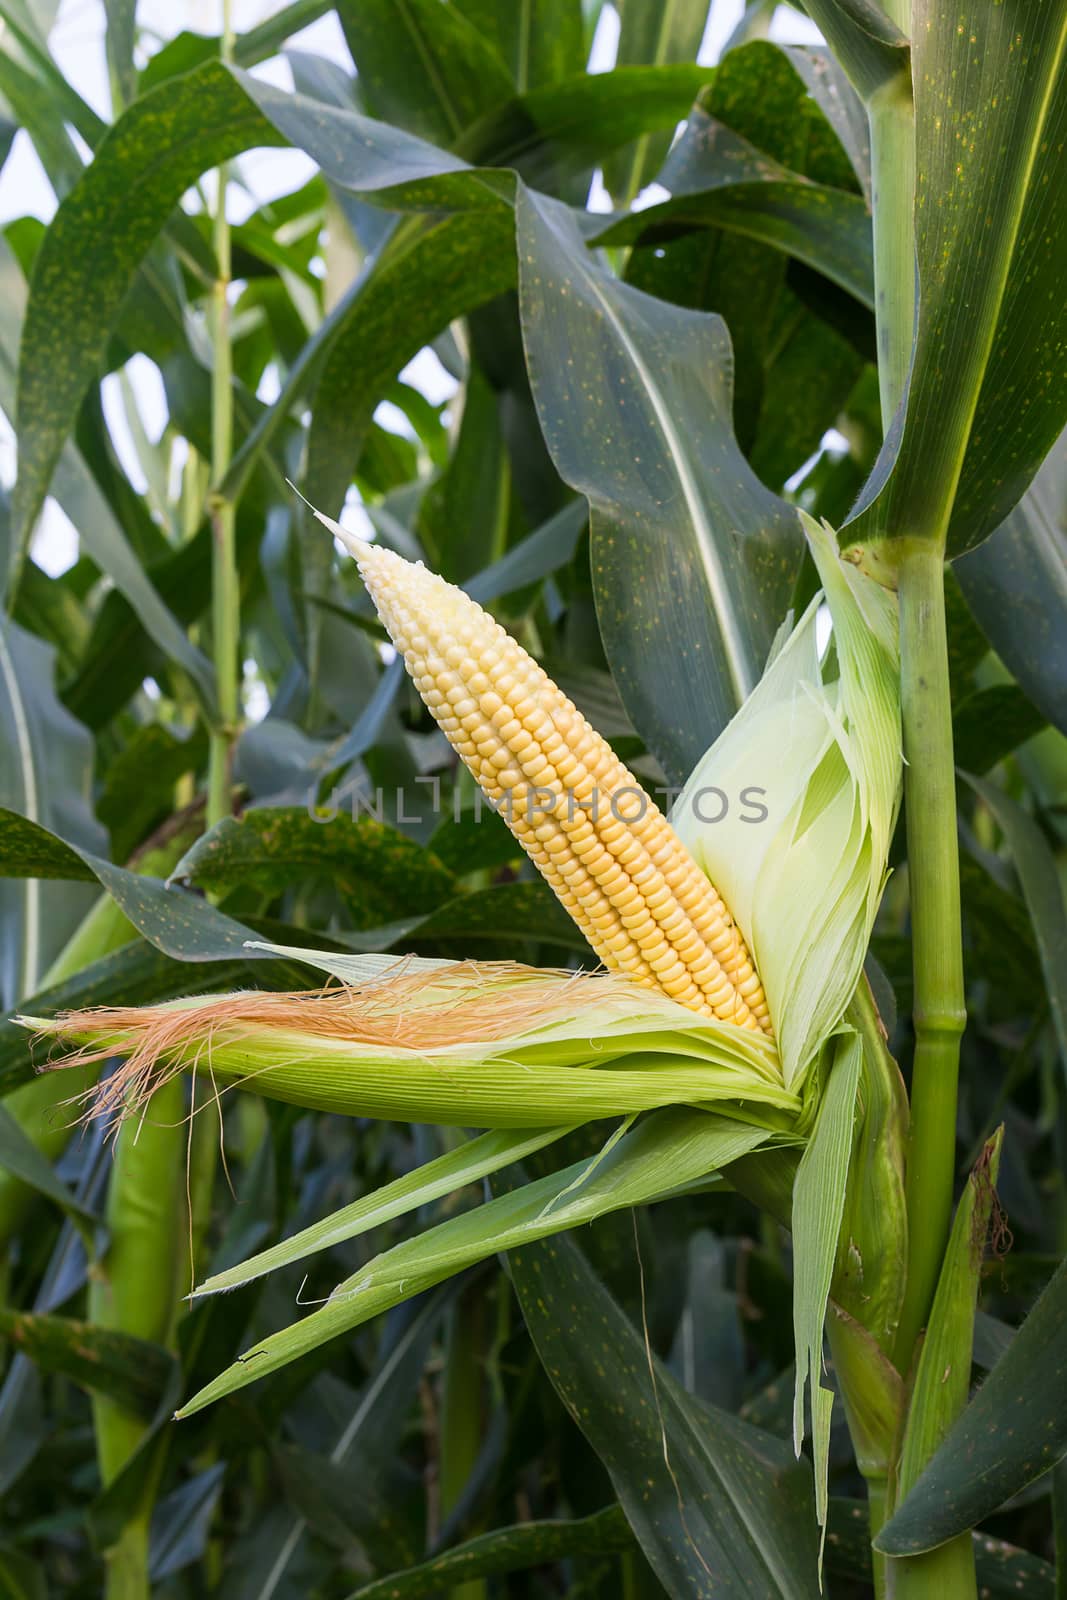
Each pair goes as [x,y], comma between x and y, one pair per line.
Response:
[471,1162]
[818,1207]
[653,1159]
[822,756]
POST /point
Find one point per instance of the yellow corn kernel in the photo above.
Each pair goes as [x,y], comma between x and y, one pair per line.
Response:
[606,849]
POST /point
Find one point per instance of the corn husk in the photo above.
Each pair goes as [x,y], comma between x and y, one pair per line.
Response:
[820,739]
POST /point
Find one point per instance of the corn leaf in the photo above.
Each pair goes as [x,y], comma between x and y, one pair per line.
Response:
[1013,1431]
[654,1158]
[132,1372]
[472,1161]
[818,1207]
[380,873]
[654,34]
[178,923]
[680,525]
[720,1508]
[717,179]
[100,532]
[1025,562]
[46,763]
[942,1380]
[505,1550]
[1036,865]
[1004,1571]
[143,166]
[20,1158]
[869,46]
[983,407]
[423,66]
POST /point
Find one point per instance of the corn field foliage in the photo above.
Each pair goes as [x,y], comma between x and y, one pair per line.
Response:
[735,393]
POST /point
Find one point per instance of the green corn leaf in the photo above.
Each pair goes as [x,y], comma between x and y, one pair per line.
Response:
[380,873]
[988,725]
[22,1577]
[541,41]
[120,41]
[654,34]
[20,1158]
[505,1550]
[100,532]
[982,408]
[718,179]
[720,1508]
[1036,865]
[180,924]
[818,1207]
[422,65]
[1004,1571]
[869,45]
[435,271]
[1025,563]
[1013,1431]
[943,1377]
[654,1158]
[46,760]
[130,1371]
[828,85]
[98,238]
[432,270]
[680,525]
[556,133]
[377,160]
[472,1161]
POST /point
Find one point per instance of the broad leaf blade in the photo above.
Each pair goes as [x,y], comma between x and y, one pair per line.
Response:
[379,872]
[1014,1430]
[983,406]
[692,558]
[718,179]
[46,760]
[98,238]
[1038,873]
[422,65]
[130,1371]
[100,532]
[652,34]
[720,1509]
[20,1158]
[178,923]
[505,1550]
[1016,585]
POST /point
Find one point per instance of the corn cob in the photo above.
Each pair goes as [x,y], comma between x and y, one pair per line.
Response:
[605,848]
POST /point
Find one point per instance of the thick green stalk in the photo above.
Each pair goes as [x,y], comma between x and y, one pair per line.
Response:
[937,950]
[134,1290]
[226,610]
